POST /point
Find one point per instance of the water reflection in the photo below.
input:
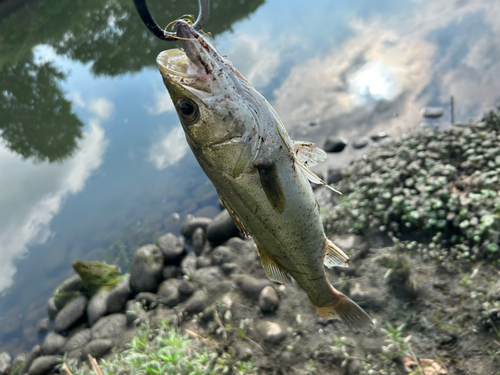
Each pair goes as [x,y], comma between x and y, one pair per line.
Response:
[169,149]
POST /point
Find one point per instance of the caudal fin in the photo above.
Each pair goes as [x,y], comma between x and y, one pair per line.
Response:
[353,316]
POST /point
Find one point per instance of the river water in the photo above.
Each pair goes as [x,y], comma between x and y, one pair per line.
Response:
[93,162]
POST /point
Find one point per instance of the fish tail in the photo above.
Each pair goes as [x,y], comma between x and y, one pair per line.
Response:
[342,307]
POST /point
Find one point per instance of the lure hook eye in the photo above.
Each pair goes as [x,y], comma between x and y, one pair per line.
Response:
[147,18]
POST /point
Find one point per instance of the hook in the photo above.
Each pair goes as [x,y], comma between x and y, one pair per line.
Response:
[147,18]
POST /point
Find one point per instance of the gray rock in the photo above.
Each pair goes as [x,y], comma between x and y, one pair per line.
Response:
[334,175]
[98,306]
[5,362]
[70,285]
[268,299]
[243,350]
[229,268]
[78,340]
[109,327]
[199,240]
[191,223]
[241,247]
[43,325]
[208,275]
[188,264]
[168,292]
[145,272]
[44,365]
[185,288]
[221,255]
[168,272]
[252,286]
[379,136]
[221,228]
[70,314]
[432,112]
[334,144]
[147,299]
[197,303]
[35,353]
[368,295]
[53,344]
[18,362]
[203,261]
[359,143]
[118,296]
[135,313]
[270,331]
[51,308]
[171,246]
[97,348]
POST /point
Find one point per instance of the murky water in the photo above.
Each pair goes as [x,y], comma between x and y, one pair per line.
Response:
[93,161]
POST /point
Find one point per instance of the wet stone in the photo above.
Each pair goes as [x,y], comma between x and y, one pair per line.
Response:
[5,362]
[188,264]
[70,314]
[43,325]
[171,246]
[221,228]
[118,296]
[199,240]
[109,327]
[334,144]
[191,223]
[146,269]
[44,365]
[97,307]
[53,343]
[268,299]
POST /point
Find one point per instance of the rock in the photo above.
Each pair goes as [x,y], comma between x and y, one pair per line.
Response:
[51,308]
[229,268]
[147,299]
[221,228]
[44,365]
[168,272]
[199,240]
[221,255]
[334,175]
[171,246]
[288,357]
[97,348]
[168,292]
[379,136]
[432,112]
[69,287]
[334,144]
[17,363]
[35,353]
[145,272]
[78,340]
[202,262]
[241,247]
[109,327]
[268,299]
[186,288]
[98,306]
[208,275]
[43,325]
[70,314]
[118,296]
[135,313]
[53,344]
[197,303]
[359,143]
[5,362]
[188,264]
[252,286]
[243,350]
[270,331]
[191,223]
[369,295]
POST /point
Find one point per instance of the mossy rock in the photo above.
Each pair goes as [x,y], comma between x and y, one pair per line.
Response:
[97,276]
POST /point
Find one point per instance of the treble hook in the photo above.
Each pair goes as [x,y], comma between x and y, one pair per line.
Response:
[150,23]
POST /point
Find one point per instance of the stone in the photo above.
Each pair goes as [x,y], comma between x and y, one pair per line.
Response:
[334,175]
[368,295]
[43,325]
[53,344]
[379,136]
[334,144]
[197,303]
[145,272]
[188,264]
[268,299]
[208,275]
[229,268]
[70,314]
[118,296]
[5,362]
[135,313]
[186,288]
[252,286]
[97,348]
[34,353]
[51,308]
[147,299]
[98,306]
[44,365]
[68,286]
[171,246]
[191,223]
[243,350]
[168,272]
[203,261]
[221,255]
[270,331]
[18,362]
[109,327]
[199,240]
[78,340]
[168,292]
[360,142]
[221,228]
[432,112]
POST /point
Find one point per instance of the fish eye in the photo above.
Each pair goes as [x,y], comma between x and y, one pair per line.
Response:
[187,109]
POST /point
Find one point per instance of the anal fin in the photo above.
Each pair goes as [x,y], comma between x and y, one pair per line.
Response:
[237,221]
[273,270]
[334,256]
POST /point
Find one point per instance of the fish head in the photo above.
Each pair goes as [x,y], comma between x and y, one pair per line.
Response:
[215,104]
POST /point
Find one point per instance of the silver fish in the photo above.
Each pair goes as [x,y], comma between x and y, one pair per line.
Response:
[260,174]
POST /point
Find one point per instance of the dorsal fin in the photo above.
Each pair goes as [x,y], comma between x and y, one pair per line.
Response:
[334,256]
[308,153]
[273,270]
[237,221]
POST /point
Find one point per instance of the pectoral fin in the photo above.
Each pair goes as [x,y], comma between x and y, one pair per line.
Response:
[272,269]
[237,221]
[334,256]
[308,153]
[272,186]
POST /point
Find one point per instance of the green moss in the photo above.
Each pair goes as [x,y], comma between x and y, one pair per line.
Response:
[96,275]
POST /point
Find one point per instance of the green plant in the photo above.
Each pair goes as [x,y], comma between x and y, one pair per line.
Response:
[397,344]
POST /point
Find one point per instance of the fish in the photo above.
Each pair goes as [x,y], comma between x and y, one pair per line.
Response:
[261,175]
